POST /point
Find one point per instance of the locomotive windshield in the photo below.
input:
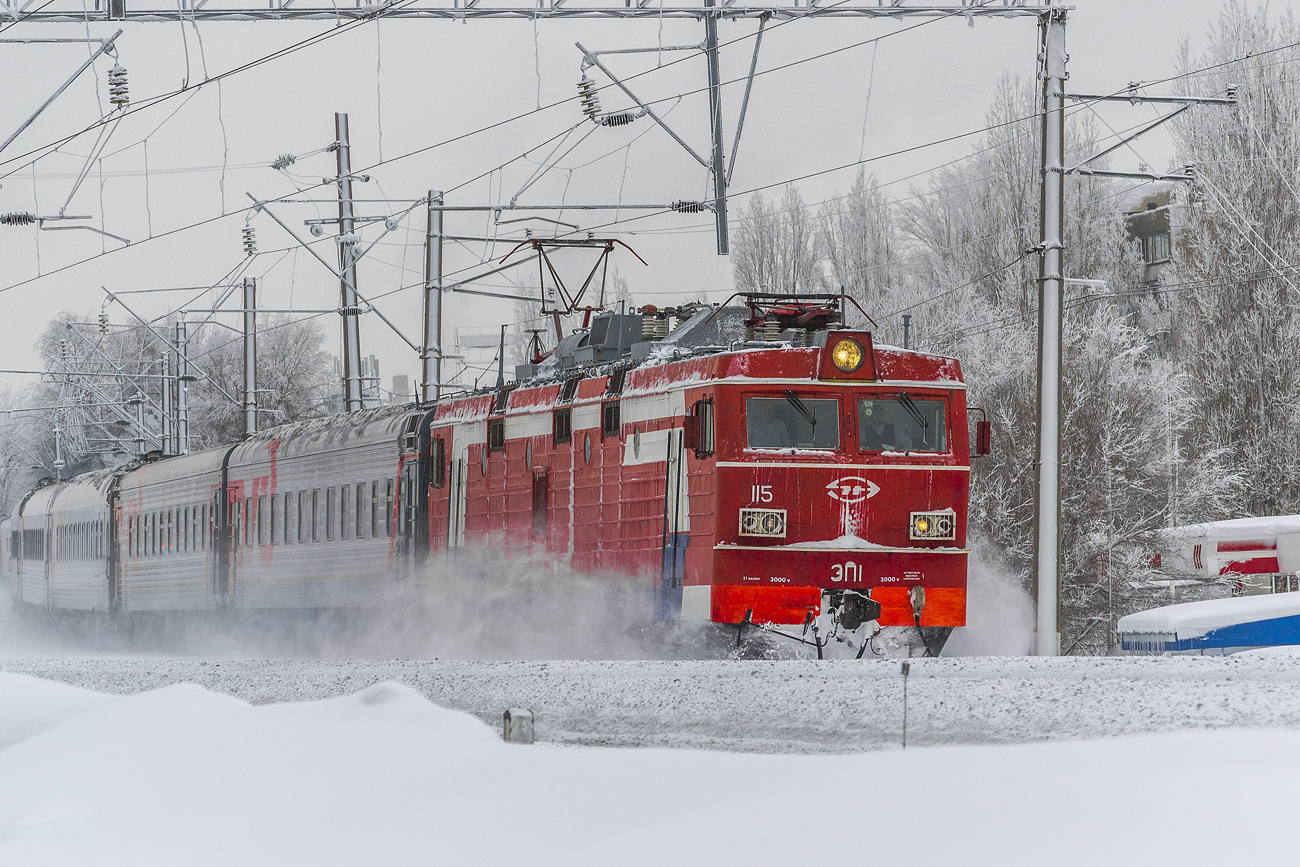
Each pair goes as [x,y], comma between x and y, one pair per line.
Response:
[792,422]
[901,423]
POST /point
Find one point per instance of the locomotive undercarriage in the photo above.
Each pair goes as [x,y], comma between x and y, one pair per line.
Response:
[846,628]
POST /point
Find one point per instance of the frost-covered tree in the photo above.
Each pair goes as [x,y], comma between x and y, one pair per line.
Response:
[295,378]
[774,246]
[856,240]
[1234,288]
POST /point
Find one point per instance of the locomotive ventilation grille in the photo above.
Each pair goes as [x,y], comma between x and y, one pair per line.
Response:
[933,525]
[769,523]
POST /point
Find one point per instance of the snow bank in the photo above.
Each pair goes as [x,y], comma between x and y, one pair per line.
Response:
[184,776]
[1193,619]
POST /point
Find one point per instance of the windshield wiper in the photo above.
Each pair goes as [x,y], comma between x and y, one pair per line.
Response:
[911,407]
[802,408]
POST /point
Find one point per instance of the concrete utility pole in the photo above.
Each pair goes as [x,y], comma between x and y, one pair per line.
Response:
[250,356]
[715,108]
[431,345]
[182,389]
[1047,499]
[165,417]
[352,399]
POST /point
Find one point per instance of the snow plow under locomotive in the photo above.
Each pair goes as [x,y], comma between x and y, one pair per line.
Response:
[779,472]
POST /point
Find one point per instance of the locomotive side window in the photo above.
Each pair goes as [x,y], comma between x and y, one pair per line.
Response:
[790,421]
[361,512]
[610,419]
[438,456]
[261,521]
[301,514]
[345,511]
[562,425]
[901,423]
[496,434]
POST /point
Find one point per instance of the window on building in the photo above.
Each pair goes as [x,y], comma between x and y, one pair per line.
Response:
[1155,248]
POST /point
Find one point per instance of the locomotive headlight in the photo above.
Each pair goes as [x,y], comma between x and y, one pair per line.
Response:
[933,526]
[769,523]
[848,355]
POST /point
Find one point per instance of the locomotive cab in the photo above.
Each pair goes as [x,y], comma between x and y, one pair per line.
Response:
[842,493]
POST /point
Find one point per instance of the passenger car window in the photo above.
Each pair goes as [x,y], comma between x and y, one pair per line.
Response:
[790,421]
[901,423]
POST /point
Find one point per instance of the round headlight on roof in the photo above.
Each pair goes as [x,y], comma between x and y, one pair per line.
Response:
[847,355]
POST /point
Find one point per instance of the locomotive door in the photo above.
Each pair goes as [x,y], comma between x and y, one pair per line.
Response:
[456,488]
[676,523]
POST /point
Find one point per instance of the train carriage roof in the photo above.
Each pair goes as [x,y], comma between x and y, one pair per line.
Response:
[314,436]
[173,468]
[89,490]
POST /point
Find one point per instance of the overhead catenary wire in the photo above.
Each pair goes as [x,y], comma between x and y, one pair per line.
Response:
[616,222]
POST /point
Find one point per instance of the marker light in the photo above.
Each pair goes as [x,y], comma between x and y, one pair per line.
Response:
[933,525]
[848,355]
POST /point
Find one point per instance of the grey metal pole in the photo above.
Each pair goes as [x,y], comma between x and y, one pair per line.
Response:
[1047,500]
[182,389]
[138,400]
[715,108]
[431,353]
[165,417]
[104,46]
[352,399]
[907,330]
[250,356]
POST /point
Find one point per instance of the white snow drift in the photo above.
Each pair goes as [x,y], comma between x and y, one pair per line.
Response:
[185,776]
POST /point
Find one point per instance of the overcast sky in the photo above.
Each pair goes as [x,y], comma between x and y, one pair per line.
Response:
[409,84]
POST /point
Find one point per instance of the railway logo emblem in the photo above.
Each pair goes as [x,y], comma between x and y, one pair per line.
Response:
[852,489]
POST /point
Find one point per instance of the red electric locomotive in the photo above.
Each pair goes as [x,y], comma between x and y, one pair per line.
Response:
[807,479]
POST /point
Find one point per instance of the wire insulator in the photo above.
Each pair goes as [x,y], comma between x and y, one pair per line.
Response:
[250,240]
[283,161]
[683,207]
[620,119]
[118,93]
[103,323]
[17,218]
[590,98]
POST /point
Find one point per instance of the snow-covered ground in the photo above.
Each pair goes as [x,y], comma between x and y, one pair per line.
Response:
[757,706]
[182,775]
